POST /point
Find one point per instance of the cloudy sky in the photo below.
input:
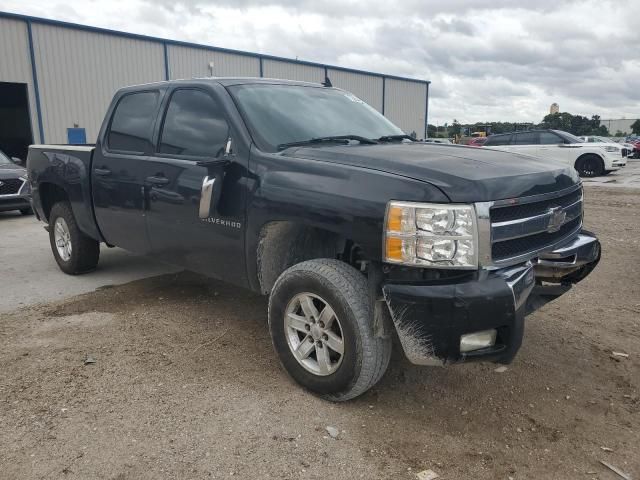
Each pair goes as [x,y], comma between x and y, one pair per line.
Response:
[488,60]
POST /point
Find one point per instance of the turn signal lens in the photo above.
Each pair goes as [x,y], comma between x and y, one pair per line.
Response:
[394,219]
[394,248]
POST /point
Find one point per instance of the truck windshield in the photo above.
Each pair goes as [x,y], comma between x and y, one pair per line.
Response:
[284,114]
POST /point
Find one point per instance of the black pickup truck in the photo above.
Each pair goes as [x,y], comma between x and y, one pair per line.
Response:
[303,192]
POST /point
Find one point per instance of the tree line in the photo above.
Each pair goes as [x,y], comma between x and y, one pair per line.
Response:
[575,124]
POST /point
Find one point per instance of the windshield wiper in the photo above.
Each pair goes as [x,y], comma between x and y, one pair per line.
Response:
[336,138]
[393,138]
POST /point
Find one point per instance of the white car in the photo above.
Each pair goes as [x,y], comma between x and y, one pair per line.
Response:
[631,148]
[589,159]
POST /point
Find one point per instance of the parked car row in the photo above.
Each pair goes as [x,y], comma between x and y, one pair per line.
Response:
[634,140]
[630,149]
[589,159]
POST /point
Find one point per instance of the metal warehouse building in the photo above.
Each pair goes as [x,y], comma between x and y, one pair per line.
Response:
[57,78]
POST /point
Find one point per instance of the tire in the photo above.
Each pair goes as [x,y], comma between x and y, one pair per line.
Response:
[26,211]
[365,357]
[590,166]
[84,251]
[607,172]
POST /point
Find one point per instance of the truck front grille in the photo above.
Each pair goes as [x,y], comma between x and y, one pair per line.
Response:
[10,186]
[524,227]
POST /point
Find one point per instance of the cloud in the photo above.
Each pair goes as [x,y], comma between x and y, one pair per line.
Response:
[487,59]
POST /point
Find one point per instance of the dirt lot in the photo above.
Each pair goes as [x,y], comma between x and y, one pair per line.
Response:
[185,385]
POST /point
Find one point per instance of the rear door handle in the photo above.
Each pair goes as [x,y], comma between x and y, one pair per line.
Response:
[158,180]
[102,172]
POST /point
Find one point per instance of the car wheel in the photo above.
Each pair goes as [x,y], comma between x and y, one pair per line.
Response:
[320,321]
[74,251]
[26,211]
[607,172]
[590,166]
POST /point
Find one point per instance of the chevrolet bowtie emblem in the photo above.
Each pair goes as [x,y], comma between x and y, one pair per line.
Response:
[557,216]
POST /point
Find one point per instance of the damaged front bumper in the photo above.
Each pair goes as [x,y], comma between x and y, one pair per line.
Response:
[431,318]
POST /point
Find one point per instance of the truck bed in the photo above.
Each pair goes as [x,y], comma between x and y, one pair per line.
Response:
[65,167]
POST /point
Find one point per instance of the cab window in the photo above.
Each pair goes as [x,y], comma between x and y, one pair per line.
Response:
[194,125]
[132,122]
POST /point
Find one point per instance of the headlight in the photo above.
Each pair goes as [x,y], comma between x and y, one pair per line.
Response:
[612,149]
[431,235]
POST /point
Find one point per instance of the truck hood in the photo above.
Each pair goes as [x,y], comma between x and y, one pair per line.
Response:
[464,174]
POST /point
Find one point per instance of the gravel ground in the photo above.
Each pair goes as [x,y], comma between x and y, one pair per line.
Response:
[185,385]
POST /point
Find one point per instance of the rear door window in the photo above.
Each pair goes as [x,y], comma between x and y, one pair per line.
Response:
[549,138]
[497,140]
[132,122]
[526,138]
[194,125]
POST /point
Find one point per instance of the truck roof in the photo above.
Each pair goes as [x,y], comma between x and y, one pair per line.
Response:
[226,82]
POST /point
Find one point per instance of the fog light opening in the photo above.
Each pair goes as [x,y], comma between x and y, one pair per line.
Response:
[477,340]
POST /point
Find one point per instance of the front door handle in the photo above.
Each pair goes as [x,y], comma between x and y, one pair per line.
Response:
[157,180]
[102,172]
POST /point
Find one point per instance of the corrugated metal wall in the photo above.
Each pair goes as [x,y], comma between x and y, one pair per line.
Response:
[292,71]
[366,87]
[187,62]
[405,105]
[15,63]
[79,71]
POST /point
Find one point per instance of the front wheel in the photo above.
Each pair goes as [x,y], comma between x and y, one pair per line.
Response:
[320,321]
[74,252]
[590,166]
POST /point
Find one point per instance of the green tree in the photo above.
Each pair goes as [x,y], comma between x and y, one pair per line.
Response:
[635,127]
[432,131]
[456,127]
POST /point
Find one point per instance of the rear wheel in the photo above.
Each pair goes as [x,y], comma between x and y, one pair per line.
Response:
[74,251]
[590,166]
[26,211]
[321,327]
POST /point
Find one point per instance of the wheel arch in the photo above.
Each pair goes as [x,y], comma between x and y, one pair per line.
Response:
[585,155]
[282,244]
[50,193]
[589,154]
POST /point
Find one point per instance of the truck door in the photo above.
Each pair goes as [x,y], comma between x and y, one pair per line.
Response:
[117,175]
[194,186]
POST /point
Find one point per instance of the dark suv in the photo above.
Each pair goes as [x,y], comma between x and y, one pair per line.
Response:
[14,189]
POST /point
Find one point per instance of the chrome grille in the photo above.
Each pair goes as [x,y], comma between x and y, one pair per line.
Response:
[524,227]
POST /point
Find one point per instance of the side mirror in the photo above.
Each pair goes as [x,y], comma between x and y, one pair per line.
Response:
[16,160]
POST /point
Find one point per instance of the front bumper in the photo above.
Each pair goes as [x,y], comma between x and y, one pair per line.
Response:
[431,318]
[15,203]
[616,162]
